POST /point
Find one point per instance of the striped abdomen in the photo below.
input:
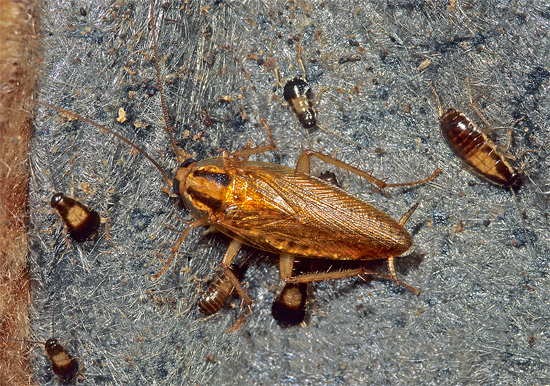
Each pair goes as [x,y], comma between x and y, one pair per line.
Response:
[216,295]
[478,152]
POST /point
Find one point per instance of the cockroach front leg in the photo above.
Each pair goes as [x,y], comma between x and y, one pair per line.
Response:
[194,224]
[230,254]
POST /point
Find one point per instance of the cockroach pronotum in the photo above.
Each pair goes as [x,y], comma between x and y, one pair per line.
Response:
[281,210]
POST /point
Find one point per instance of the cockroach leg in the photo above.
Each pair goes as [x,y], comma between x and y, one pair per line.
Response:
[230,254]
[304,161]
[194,224]
[333,275]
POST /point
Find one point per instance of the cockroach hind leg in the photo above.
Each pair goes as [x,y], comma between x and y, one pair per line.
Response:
[240,322]
[248,151]
[304,161]
[305,278]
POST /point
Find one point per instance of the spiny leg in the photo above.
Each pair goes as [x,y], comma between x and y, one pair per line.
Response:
[230,254]
[248,151]
[287,261]
[304,161]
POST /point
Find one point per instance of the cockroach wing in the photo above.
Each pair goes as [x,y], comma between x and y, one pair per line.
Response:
[277,209]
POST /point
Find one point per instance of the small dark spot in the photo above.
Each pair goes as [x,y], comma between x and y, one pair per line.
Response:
[381,93]
[400,321]
[535,79]
[487,223]
[439,217]
[347,59]
[207,121]
[207,33]
[329,177]
[239,123]
[521,18]
[210,59]
[83,11]
[353,43]
[139,220]
[522,236]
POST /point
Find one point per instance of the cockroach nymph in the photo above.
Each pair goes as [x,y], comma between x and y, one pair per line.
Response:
[64,365]
[481,155]
[289,306]
[81,221]
[217,293]
[299,96]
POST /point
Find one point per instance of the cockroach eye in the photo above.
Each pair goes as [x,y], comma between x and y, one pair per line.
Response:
[176,186]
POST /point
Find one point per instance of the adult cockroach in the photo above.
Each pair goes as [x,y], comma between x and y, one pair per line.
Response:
[280,209]
[283,210]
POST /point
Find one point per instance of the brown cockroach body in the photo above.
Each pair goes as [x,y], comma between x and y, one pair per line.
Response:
[64,365]
[286,211]
[481,155]
[215,296]
[81,221]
